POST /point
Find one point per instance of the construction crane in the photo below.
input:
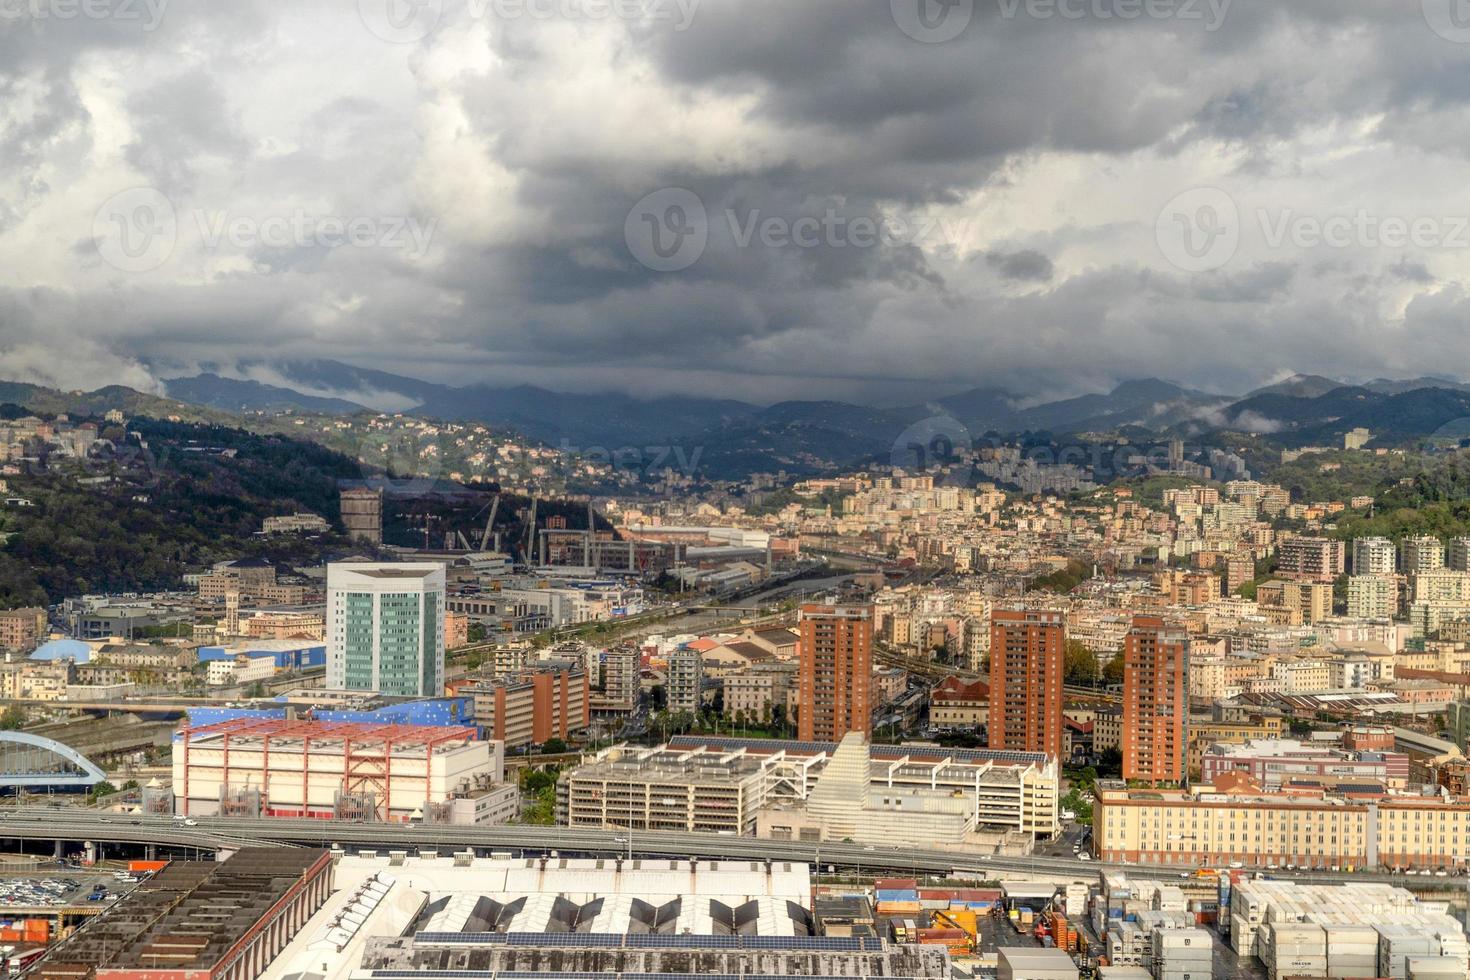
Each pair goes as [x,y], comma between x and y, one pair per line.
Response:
[527,553]
[591,533]
[485,538]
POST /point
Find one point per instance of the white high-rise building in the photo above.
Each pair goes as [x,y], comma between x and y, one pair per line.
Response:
[385,628]
[1373,556]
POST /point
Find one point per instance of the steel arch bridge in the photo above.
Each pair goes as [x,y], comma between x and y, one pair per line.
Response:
[35,762]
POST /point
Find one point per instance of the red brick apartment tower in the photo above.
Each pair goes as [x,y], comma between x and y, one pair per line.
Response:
[1155,701]
[836,654]
[1027,650]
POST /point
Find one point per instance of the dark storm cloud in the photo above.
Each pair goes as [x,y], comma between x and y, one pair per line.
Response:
[876,215]
[1024,266]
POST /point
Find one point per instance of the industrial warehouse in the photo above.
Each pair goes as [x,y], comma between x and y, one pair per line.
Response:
[275,767]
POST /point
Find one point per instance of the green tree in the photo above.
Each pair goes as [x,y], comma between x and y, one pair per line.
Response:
[1080,664]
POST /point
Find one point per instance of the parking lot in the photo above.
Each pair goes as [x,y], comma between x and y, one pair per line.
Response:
[49,891]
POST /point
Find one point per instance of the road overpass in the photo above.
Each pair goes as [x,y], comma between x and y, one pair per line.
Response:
[74,824]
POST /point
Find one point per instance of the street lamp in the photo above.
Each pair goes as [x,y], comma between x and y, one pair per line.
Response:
[626,840]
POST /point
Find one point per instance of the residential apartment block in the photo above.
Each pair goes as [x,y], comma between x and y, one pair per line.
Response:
[1027,652]
[1155,701]
[836,674]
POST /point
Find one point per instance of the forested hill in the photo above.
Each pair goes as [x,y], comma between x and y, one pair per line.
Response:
[171,497]
[138,517]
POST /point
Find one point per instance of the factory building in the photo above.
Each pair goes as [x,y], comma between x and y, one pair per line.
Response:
[275,767]
[201,920]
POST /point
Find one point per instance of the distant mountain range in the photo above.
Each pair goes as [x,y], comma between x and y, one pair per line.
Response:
[734,437]
[728,439]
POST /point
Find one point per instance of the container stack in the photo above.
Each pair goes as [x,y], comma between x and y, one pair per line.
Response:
[1124,973]
[1293,949]
[897,896]
[1127,944]
[1182,954]
[1397,944]
[1435,968]
[1169,898]
[1075,900]
[1352,951]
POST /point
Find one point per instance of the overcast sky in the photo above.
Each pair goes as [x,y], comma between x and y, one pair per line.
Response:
[761,199]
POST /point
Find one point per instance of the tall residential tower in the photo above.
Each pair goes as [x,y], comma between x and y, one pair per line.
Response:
[1155,701]
[1027,653]
[836,674]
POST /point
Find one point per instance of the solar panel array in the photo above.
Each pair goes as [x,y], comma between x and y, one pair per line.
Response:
[633,940]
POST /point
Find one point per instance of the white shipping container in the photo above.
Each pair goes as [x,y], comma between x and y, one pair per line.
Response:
[1434,968]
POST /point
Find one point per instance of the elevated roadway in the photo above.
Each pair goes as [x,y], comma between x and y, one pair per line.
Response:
[40,823]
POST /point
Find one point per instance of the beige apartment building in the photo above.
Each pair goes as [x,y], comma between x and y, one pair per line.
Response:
[1189,828]
[1204,734]
[1295,603]
[956,703]
[22,629]
[754,693]
[1372,596]
[1215,678]
[1302,676]
[285,625]
[26,680]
